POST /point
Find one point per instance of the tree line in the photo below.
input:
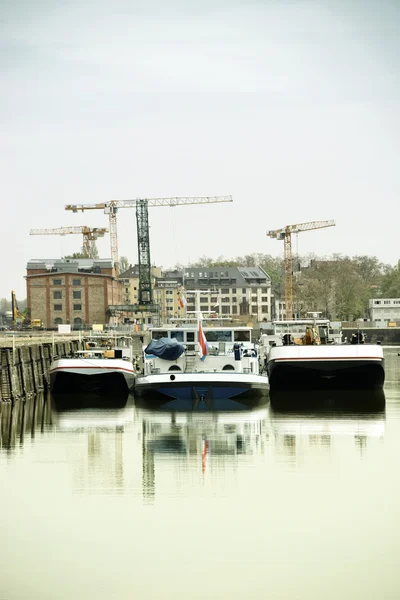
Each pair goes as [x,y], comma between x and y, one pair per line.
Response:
[338,286]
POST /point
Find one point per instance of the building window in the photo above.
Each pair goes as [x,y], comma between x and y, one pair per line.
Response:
[224,290]
[56,281]
[225,310]
[234,310]
[76,282]
[264,298]
[77,323]
[243,290]
[77,306]
[233,290]
[58,321]
[77,294]
[226,299]
[264,290]
[57,295]
[234,299]
[58,307]
[264,308]
[254,298]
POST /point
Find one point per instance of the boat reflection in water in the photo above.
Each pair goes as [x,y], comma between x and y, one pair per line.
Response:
[202,404]
[198,442]
[95,438]
[320,400]
[78,401]
[303,425]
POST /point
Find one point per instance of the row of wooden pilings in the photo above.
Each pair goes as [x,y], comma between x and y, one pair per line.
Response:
[24,368]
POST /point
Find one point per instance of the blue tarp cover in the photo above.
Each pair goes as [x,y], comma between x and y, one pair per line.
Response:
[166,348]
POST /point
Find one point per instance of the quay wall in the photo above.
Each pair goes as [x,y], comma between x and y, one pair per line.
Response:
[24,365]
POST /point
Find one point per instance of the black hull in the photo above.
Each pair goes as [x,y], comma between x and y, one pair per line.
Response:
[107,384]
[332,375]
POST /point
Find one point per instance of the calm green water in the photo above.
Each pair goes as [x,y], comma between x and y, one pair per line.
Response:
[131,503]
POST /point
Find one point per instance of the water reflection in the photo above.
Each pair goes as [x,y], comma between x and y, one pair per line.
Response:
[367,401]
[199,444]
[130,449]
[99,431]
[312,422]
[22,418]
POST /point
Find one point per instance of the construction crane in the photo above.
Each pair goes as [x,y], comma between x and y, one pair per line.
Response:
[111,208]
[285,234]
[90,235]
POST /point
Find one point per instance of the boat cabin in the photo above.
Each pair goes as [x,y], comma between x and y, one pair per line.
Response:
[229,349]
[220,339]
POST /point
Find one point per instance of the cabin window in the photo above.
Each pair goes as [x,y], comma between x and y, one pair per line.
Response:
[177,335]
[218,335]
[242,336]
[156,335]
[190,336]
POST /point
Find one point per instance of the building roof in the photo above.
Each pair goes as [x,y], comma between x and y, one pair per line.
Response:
[229,276]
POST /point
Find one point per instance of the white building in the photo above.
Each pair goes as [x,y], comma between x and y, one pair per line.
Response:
[236,291]
[384,311]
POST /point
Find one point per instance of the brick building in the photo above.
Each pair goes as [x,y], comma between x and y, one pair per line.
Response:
[72,291]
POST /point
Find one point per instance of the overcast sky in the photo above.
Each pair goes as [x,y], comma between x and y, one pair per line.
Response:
[290,106]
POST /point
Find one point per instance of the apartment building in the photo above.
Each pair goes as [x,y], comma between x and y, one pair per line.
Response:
[235,291]
[71,291]
[129,280]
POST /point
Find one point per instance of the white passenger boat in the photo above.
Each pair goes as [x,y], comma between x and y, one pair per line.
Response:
[315,360]
[96,369]
[201,367]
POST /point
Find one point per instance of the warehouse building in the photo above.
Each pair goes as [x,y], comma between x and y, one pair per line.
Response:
[71,291]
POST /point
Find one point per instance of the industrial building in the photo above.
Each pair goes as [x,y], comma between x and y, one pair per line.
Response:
[71,291]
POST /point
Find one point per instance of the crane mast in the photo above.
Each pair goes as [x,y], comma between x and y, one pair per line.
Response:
[285,234]
[142,221]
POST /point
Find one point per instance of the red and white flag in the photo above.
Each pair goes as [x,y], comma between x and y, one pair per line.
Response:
[182,300]
[202,342]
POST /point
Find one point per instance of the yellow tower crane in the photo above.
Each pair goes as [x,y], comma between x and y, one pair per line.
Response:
[111,208]
[285,234]
[90,234]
